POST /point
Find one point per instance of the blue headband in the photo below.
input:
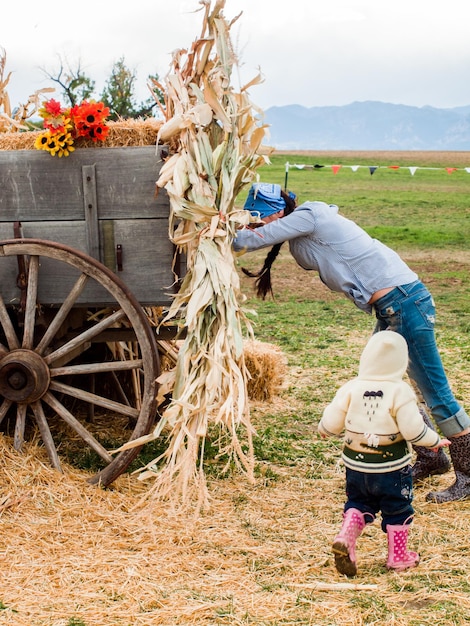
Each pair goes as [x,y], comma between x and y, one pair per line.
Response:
[265,199]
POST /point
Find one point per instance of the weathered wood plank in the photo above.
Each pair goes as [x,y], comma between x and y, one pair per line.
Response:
[90,206]
[147,255]
[96,201]
[35,186]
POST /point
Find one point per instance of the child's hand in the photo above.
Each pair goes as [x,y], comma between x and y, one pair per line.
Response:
[441,444]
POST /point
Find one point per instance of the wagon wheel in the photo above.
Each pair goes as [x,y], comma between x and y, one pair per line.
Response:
[47,362]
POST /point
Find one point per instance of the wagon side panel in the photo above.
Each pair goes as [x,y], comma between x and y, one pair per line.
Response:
[100,201]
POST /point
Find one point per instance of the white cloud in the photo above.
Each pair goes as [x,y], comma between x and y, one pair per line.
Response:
[410,51]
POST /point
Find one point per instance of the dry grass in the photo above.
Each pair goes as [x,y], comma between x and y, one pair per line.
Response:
[259,556]
[267,366]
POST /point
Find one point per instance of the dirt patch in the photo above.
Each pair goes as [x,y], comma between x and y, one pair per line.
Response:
[413,157]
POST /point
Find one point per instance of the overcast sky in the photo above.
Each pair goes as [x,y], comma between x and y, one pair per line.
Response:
[311,52]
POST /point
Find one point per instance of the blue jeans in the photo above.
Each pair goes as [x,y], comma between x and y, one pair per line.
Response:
[409,310]
[391,493]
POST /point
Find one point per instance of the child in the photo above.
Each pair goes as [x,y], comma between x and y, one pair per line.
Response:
[379,414]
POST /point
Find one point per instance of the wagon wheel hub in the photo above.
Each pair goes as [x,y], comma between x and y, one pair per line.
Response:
[24,376]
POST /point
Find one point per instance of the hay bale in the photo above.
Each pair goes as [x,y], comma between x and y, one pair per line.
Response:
[267,365]
[122,133]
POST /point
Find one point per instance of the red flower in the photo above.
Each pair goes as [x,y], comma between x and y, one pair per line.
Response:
[53,108]
[53,115]
[89,120]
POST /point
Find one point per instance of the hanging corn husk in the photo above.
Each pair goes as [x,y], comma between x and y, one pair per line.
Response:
[215,135]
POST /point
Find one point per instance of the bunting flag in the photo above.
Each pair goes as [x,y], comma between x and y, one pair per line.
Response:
[372,168]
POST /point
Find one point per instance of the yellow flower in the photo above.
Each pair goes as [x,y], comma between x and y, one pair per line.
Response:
[42,141]
[58,143]
[64,142]
[52,146]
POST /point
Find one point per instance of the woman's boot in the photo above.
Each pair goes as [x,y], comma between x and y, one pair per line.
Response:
[344,545]
[460,490]
[429,463]
[399,558]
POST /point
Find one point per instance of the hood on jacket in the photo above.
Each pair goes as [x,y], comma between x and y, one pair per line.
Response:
[385,357]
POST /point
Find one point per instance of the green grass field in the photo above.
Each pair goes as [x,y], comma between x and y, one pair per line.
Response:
[425,218]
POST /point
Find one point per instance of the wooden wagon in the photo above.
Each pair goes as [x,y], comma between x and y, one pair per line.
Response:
[84,249]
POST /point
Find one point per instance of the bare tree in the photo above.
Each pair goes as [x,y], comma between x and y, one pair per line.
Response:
[75,85]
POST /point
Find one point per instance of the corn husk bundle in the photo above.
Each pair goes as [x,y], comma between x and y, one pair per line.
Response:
[216,138]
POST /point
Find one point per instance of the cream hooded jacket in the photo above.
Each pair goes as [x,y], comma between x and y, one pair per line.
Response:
[378,410]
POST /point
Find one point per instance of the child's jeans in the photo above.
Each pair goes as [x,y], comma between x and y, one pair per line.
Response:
[391,493]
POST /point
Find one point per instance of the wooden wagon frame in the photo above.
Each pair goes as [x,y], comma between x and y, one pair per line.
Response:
[84,252]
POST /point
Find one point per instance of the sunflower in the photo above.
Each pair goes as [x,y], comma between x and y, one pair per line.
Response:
[42,140]
[64,142]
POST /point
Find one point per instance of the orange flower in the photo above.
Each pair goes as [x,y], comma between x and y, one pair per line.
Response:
[89,120]
[98,132]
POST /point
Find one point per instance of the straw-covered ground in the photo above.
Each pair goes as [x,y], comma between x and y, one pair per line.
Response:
[74,554]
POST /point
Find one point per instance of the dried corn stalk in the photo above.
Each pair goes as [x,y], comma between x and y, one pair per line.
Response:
[216,139]
[15,121]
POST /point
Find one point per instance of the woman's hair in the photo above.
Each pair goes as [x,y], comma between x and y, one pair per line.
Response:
[263,276]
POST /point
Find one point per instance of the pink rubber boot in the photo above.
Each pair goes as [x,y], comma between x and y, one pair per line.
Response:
[344,545]
[399,558]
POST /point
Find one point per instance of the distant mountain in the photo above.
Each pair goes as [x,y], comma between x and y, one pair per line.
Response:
[368,126]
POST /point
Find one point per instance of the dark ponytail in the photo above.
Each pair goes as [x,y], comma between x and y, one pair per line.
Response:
[263,276]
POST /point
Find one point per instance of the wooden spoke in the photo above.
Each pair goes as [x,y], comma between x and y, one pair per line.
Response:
[31,300]
[92,398]
[46,435]
[62,313]
[77,426]
[18,437]
[6,404]
[84,337]
[95,368]
[7,326]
